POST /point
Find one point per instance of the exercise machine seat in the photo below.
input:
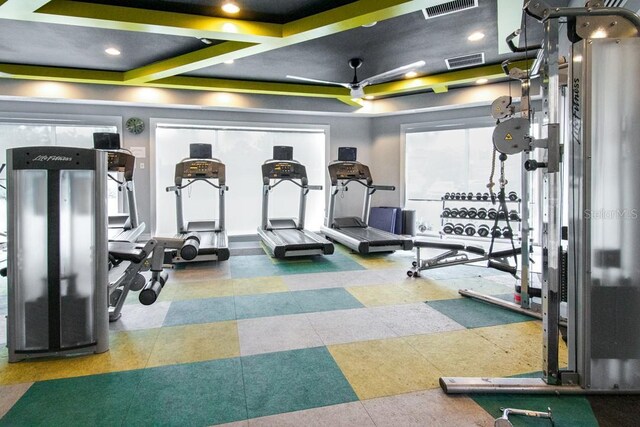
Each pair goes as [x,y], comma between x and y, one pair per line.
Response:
[127,252]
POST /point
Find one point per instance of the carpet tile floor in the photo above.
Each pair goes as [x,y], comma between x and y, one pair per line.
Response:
[343,340]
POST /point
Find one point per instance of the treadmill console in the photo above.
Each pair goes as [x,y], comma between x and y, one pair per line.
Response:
[349,170]
[120,161]
[280,169]
[200,169]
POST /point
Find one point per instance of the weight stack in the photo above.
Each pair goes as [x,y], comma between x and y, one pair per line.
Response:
[409,222]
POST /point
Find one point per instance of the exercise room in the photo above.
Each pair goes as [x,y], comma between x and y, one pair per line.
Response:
[319,213]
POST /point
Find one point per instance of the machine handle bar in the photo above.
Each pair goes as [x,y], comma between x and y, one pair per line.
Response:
[383,187]
[516,49]
[314,187]
[182,187]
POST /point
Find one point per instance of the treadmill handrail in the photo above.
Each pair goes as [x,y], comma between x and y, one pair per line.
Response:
[371,187]
[293,181]
[192,180]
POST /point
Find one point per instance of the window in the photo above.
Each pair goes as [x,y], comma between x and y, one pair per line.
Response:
[13,135]
[457,160]
[243,150]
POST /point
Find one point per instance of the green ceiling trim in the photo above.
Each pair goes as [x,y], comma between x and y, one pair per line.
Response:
[248,86]
[69,12]
[192,61]
[441,89]
[470,75]
[73,75]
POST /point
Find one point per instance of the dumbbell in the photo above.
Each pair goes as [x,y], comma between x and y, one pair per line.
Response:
[482,213]
[458,196]
[472,213]
[478,196]
[448,228]
[447,196]
[485,196]
[470,229]
[492,213]
[454,213]
[496,232]
[446,213]
[513,215]
[483,230]
[507,232]
[501,215]
[469,196]
[458,229]
[463,212]
[513,196]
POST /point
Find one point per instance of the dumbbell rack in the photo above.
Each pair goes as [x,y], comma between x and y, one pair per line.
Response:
[515,224]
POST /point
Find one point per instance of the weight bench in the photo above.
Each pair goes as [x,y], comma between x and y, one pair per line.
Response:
[457,254]
[126,263]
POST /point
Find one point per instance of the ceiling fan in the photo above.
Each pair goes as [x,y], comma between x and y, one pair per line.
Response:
[356,86]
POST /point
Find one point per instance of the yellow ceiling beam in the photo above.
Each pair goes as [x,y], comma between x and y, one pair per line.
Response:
[351,102]
[191,61]
[437,81]
[440,89]
[247,86]
[69,12]
[73,75]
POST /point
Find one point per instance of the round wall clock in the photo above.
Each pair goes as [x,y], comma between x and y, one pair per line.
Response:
[135,125]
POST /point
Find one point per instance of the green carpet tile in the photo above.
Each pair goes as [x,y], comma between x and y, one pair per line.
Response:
[293,380]
[194,394]
[262,265]
[568,411]
[476,314]
[326,300]
[207,310]
[98,400]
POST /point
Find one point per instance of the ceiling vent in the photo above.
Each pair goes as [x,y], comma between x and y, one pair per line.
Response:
[614,3]
[465,61]
[448,7]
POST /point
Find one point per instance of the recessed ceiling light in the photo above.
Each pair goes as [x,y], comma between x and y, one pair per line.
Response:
[600,33]
[474,37]
[228,61]
[370,25]
[482,81]
[411,74]
[369,97]
[230,7]
[112,51]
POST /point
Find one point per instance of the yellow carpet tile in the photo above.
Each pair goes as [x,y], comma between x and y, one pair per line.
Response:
[384,367]
[372,296]
[128,350]
[523,340]
[466,353]
[195,343]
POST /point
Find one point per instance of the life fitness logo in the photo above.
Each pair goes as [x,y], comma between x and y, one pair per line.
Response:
[43,158]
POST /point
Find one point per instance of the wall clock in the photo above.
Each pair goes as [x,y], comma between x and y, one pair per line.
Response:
[135,125]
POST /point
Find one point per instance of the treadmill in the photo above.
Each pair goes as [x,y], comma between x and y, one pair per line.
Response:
[204,240]
[354,232]
[286,237]
[122,227]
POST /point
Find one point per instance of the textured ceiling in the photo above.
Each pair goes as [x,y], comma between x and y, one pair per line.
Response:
[389,44]
[56,45]
[274,11]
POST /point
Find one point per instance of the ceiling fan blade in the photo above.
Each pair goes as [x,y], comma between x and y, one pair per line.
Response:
[392,73]
[324,82]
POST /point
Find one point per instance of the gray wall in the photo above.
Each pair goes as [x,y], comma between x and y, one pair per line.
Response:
[349,131]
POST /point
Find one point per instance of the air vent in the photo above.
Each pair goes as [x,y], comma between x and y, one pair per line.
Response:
[614,3]
[465,61]
[448,7]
